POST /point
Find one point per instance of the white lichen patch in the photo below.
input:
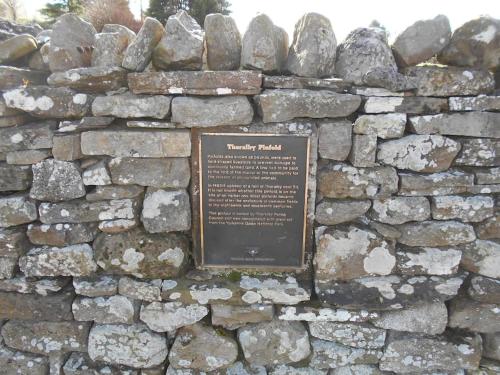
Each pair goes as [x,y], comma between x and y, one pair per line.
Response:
[432,261]
[18,98]
[210,295]
[167,317]
[173,257]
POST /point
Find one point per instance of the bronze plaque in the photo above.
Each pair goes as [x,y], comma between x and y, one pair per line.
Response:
[252,200]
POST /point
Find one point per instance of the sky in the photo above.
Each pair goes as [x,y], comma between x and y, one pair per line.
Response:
[344,15]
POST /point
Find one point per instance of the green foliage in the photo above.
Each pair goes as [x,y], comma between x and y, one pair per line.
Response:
[198,9]
[54,9]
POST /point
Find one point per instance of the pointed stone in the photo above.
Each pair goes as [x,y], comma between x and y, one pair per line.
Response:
[109,49]
[223,42]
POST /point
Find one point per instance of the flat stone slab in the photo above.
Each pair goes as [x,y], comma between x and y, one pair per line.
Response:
[169,316]
[132,106]
[474,103]
[405,104]
[438,233]
[443,183]
[92,79]
[12,77]
[15,178]
[13,362]
[17,209]
[36,307]
[105,310]
[216,83]
[292,82]
[30,136]
[349,334]
[466,313]
[314,313]
[328,354]
[43,287]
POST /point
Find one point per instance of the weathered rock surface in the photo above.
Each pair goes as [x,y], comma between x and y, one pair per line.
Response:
[327,354]
[363,50]
[293,82]
[55,181]
[479,152]
[107,192]
[61,234]
[13,362]
[233,317]
[283,105]
[166,211]
[36,307]
[157,144]
[81,364]
[385,126]
[85,123]
[109,49]
[16,47]
[199,347]
[206,112]
[67,146]
[181,47]
[7,268]
[349,334]
[256,338]
[332,212]
[17,209]
[364,150]
[389,79]
[474,103]
[141,254]
[43,287]
[491,345]
[223,41]
[409,353]
[428,260]
[348,253]
[444,183]
[15,178]
[334,139]
[105,310]
[27,137]
[139,51]
[264,46]
[149,290]
[130,345]
[96,174]
[12,77]
[324,314]
[422,40]
[474,316]
[18,28]
[467,209]
[313,50]
[93,79]
[438,233]
[482,257]
[344,181]
[26,157]
[99,286]
[418,105]
[399,210]
[476,43]
[484,289]
[132,106]
[13,242]
[429,318]
[169,316]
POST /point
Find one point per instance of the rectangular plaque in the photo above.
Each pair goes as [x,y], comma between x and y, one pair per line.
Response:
[252,200]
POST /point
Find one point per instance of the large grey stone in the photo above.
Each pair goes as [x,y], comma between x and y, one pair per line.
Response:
[474,316]
[17,209]
[363,50]
[181,47]
[484,289]
[422,40]
[474,208]
[357,369]
[166,211]
[476,43]
[364,150]
[137,144]
[264,46]
[105,310]
[327,354]
[313,50]
[12,77]
[334,139]
[15,28]
[427,260]
[97,174]
[335,211]
[130,345]
[117,28]
[13,242]
[474,103]
[223,41]
[349,334]
[92,79]
[479,152]
[147,290]
[233,317]
[71,43]
[27,137]
[16,47]
[444,183]
[388,78]
[13,362]
[437,233]
[99,286]
[132,106]
[15,178]
[139,51]
[283,105]
[391,125]
[23,284]
[399,210]
[206,112]
[482,257]
[169,316]
[109,49]
[26,157]
[417,105]
[61,234]
[108,192]
[55,181]
[324,314]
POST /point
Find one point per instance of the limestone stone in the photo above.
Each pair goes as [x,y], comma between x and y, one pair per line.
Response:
[16,47]
[141,254]
[290,370]
[81,364]
[55,180]
[139,51]
[46,337]
[429,318]
[313,50]
[237,368]
[344,181]
[420,153]
[410,353]
[324,314]
[95,286]
[170,173]
[61,234]
[81,211]
[117,28]
[467,209]
[474,316]
[215,83]
[474,103]
[438,233]
[12,77]
[16,120]
[48,102]
[349,334]
[13,242]
[7,267]
[283,105]
[166,211]
[487,176]
[30,136]
[363,50]
[108,192]
[422,40]
[25,157]
[328,354]
[130,345]
[142,290]
[364,150]
[17,209]
[352,252]
[85,123]
[444,183]
[386,126]
[151,124]
[399,210]
[13,362]
[200,348]
[182,45]
[450,81]
[18,28]
[73,260]
[206,112]
[427,260]
[70,43]
[169,316]
[356,369]
[482,257]
[294,82]
[15,178]
[223,42]
[484,189]
[407,104]
[334,139]
[132,106]
[264,46]
[90,79]
[474,124]
[476,43]
[97,174]
[105,310]
[484,289]
[233,317]
[335,211]
[109,49]
[257,339]
[389,79]
[480,152]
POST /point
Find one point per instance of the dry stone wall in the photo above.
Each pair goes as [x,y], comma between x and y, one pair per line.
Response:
[96,258]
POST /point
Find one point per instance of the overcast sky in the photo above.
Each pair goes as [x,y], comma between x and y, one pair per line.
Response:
[345,15]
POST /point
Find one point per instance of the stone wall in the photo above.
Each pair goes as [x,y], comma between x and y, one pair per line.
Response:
[96,264]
